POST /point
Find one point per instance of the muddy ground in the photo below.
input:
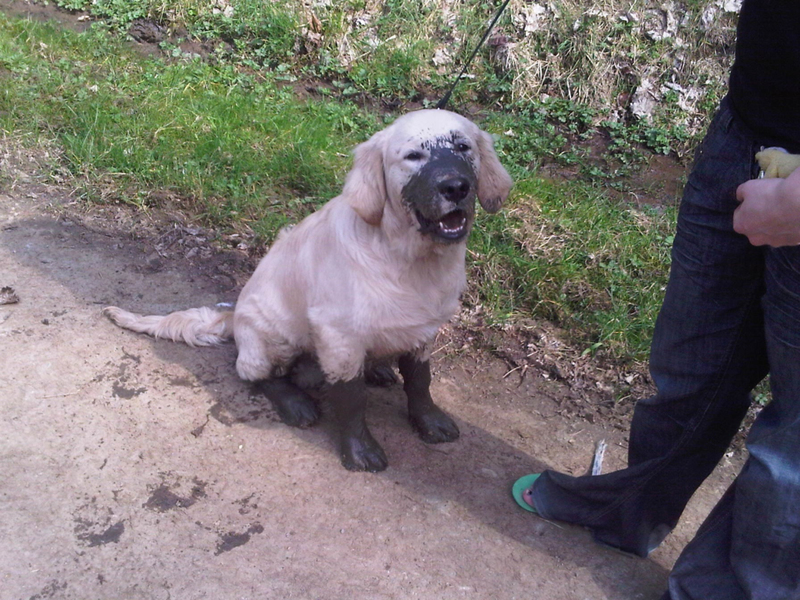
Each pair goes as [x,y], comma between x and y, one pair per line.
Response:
[141,469]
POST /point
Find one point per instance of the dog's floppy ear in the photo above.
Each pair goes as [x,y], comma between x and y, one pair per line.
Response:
[365,186]
[494,182]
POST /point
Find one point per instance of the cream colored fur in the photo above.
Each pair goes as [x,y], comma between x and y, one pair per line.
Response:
[354,279]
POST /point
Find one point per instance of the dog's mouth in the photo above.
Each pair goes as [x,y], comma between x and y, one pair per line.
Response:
[452,227]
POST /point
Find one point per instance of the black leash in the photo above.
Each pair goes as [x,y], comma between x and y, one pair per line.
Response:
[443,102]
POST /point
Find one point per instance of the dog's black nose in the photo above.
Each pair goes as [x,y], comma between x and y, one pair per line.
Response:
[454,189]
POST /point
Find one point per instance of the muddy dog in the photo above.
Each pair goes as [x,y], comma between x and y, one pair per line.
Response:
[371,275]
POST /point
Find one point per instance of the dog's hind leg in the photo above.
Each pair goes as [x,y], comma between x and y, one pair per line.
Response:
[293,405]
[379,375]
[431,422]
[358,449]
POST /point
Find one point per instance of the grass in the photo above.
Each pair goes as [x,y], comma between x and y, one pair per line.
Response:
[569,254]
[232,142]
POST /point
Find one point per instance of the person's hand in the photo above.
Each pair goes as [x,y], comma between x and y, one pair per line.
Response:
[769,213]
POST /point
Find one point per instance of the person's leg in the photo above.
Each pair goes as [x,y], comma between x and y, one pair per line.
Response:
[766,549]
[749,547]
[707,354]
[704,570]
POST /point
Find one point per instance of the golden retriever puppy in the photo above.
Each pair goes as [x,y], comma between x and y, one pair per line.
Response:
[371,275]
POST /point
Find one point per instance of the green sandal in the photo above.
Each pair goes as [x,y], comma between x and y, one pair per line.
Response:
[522,484]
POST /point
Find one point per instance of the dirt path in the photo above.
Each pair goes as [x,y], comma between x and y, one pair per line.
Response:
[139,469]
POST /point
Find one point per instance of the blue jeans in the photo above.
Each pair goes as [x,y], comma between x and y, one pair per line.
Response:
[731,314]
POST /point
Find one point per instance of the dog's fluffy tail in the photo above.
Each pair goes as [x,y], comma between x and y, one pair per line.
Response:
[195,326]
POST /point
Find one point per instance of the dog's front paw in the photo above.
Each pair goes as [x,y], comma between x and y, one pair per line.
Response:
[363,454]
[434,426]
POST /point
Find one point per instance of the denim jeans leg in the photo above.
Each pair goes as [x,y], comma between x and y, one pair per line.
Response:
[708,353]
[704,569]
[749,547]
[766,525]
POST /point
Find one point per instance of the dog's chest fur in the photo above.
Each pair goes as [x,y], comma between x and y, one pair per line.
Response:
[403,312]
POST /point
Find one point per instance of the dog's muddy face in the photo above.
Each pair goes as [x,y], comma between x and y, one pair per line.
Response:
[425,172]
[441,193]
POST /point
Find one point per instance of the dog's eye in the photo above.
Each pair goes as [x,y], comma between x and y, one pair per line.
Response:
[413,155]
[463,147]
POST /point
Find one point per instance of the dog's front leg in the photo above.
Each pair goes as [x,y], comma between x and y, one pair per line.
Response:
[430,421]
[359,450]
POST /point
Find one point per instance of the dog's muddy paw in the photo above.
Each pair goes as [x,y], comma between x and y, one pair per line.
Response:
[297,411]
[293,405]
[380,376]
[363,455]
[435,427]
